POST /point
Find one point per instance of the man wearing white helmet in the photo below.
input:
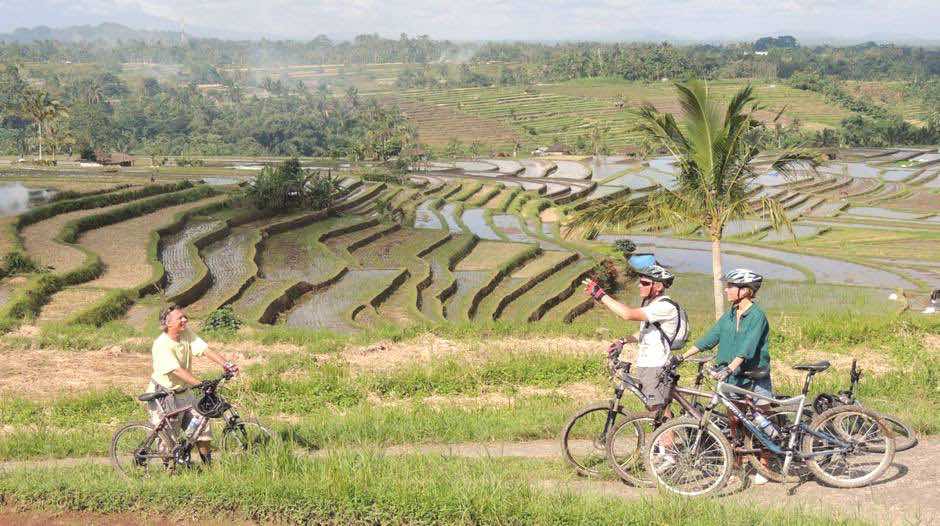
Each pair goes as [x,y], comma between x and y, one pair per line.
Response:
[660,321]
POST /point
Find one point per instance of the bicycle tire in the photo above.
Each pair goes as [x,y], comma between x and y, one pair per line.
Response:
[567,440]
[248,436]
[715,438]
[904,437]
[838,415]
[626,468]
[124,468]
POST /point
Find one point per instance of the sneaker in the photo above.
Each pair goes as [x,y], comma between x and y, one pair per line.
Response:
[665,461]
[758,480]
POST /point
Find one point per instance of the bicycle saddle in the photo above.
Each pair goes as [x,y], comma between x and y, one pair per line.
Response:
[756,374]
[147,397]
[821,365]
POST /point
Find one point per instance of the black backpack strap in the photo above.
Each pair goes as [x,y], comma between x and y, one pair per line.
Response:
[659,327]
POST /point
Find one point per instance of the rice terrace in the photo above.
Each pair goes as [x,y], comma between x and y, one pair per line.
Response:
[414,266]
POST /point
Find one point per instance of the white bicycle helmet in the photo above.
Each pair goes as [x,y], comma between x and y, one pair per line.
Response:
[744,278]
[657,273]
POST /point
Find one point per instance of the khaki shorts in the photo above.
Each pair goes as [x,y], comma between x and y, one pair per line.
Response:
[654,389]
[172,403]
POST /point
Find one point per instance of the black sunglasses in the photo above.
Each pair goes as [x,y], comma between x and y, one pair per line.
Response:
[645,283]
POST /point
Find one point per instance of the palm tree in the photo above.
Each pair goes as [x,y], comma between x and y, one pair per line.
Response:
[42,108]
[716,178]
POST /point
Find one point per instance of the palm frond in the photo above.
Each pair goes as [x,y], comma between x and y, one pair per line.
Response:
[775,214]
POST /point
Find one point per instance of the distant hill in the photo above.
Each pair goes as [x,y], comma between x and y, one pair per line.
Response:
[107,31]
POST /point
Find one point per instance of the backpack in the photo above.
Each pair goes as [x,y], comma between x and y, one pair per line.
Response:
[681,337]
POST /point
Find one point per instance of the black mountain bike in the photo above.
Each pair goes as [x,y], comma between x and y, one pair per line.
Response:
[585,436]
[904,437]
[140,448]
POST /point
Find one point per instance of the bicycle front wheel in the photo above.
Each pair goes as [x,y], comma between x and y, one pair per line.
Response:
[625,446]
[584,439]
[851,447]
[245,436]
[688,458]
[137,451]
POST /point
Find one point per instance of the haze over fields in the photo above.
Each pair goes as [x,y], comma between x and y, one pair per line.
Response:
[903,21]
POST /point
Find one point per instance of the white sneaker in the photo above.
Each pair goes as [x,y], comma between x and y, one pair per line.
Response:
[665,460]
[758,480]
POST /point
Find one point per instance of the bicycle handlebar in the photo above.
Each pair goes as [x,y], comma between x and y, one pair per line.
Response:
[212,384]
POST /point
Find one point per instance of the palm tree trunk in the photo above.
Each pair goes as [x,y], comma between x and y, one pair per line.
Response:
[716,277]
[40,141]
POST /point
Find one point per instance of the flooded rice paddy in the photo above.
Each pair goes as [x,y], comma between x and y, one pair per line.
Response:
[176,258]
[329,308]
[475,219]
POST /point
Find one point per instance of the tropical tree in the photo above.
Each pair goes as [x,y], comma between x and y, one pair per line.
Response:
[716,175]
[42,108]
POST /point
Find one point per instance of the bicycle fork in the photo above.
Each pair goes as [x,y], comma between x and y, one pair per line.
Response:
[612,412]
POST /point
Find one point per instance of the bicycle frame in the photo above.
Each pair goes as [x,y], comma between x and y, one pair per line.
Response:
[629,383]
[722,394]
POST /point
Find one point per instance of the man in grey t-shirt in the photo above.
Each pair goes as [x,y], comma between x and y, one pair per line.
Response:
[653,349]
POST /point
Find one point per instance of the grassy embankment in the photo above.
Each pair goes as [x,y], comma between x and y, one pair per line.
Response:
[506,382]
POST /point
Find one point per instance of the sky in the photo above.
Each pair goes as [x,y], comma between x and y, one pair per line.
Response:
[548,20]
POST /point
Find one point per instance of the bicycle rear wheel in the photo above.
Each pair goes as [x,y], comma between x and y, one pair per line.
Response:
[625,447]
[867,454]
[584,442]
[904,437]
[246,436]
[137,452]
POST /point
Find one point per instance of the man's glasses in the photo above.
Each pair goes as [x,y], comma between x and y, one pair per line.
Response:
[644,283]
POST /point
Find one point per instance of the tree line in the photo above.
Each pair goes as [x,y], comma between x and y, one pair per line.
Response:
[85,113]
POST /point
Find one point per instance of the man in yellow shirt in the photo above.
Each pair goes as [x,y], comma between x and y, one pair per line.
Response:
[172,354]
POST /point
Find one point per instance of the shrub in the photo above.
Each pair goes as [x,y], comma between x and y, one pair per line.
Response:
[17,262]
[222,320]
[289,186]
[606,274]
[625,246]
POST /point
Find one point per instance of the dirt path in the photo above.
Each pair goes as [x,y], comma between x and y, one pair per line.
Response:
[906,495]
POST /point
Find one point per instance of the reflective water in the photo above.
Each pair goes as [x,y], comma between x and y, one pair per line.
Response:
[663,164]
[633,181]
[700,261]
[861,170]
[449,211]
[571,170]
[511,226]
[426,216]
[826,270]
[882,213]
[476,166]
[476,221]
[220,181]
[897,174]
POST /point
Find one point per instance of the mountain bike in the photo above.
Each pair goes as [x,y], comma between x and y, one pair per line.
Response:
[905,438]
[845,447]
[140,448]
[625,443]
[585,436]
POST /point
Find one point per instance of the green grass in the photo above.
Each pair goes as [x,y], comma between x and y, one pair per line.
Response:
[364,487]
